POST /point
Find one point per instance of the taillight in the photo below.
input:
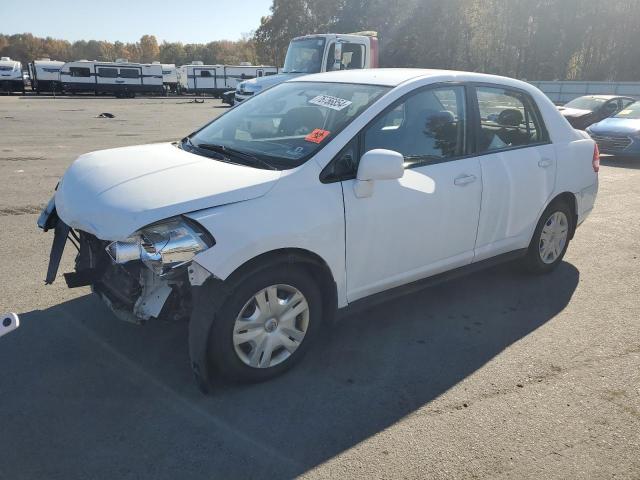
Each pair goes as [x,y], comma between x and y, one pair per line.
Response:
[596,158]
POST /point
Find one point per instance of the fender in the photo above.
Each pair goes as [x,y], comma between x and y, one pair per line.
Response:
[207,301]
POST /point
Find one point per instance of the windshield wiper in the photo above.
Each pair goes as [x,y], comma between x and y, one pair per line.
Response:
[235,153]
[190,146]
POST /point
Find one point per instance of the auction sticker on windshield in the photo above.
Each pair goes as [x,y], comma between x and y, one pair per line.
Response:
[328,101]
[317,136]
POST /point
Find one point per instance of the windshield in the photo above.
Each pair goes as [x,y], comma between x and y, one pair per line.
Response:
[632,112]
[285,125]
[304,56]
[586,103]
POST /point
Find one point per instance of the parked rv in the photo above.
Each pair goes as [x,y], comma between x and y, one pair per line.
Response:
[314,54]
[218,79]
[169,77]
[119,78]
[11,79]
[45,75]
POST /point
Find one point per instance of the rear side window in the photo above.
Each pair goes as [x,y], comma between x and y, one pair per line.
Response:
[80,72]
[108,72]
[129,73]
[508,119]
[427,127]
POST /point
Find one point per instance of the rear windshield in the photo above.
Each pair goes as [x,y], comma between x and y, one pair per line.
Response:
[586,103]
[632,112]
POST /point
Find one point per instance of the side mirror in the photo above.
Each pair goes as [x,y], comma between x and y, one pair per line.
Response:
[377,165]
[337,56]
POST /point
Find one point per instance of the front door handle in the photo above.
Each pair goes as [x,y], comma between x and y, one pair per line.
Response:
[545,163]
[463,180]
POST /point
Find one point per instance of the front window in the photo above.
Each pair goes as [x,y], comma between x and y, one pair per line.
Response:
[427,127]
[353,57]
[586,103]
[285,125]
[632,112]
[304,56]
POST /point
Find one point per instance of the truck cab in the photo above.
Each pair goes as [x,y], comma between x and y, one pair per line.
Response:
[314,54]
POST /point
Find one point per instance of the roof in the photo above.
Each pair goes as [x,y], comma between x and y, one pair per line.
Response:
[392,77]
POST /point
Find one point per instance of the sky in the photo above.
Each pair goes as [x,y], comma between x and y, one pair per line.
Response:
[192,21]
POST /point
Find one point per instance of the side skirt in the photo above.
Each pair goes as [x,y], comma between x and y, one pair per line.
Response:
[419,285]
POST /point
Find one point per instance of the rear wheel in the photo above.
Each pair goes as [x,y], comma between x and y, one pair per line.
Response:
[550,239]
[267,325]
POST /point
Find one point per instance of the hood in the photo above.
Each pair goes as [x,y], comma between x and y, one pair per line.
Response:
[113,193]
[262,83]
[616,126]
[573,112]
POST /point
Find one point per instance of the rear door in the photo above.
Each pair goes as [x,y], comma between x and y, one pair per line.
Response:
[518,169]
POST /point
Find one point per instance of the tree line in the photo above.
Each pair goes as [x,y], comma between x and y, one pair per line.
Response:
[529,39]
[27,47]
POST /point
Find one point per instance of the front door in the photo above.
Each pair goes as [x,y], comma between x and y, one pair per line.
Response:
[426,222]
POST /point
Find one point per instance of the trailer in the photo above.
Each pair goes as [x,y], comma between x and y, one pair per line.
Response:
[217,79]
[11,78]
[121,79]
[45,75]
[169,77]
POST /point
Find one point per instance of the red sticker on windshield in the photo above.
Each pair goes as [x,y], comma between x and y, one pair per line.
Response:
[317,136]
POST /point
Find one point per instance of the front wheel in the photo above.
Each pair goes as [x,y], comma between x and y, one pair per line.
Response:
[550,239]
[266,325]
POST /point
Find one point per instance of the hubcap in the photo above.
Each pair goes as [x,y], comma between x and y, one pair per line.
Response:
[553,237]
[271,326]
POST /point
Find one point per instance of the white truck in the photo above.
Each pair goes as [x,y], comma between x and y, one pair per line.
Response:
[314,54]
[217,79]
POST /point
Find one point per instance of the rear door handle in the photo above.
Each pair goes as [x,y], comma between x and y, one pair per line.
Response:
[463,180]
[544,163]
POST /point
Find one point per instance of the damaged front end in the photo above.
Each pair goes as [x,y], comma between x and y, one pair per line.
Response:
[143,277]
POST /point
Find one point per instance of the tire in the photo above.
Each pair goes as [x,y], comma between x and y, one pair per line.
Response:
[231,361]
[550,239]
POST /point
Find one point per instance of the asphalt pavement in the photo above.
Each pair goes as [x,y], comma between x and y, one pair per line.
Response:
[495,375]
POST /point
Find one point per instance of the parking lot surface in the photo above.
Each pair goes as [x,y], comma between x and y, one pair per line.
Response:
[496,375]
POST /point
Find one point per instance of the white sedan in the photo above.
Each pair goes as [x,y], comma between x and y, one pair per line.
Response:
[321,192]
